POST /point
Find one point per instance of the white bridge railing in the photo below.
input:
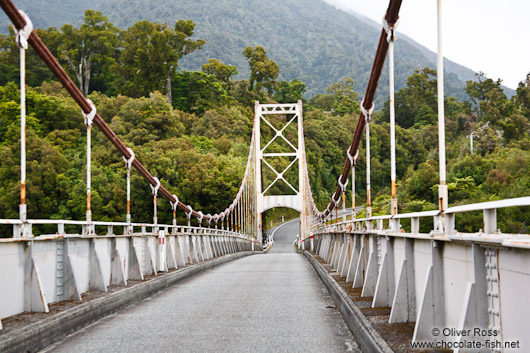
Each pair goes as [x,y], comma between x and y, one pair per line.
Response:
[443,279]
[38,271]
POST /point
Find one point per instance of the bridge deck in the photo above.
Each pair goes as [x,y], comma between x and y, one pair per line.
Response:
[262,303]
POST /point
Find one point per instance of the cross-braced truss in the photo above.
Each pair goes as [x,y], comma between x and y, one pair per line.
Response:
[266,198]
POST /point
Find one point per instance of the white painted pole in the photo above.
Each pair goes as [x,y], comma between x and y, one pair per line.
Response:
[128,165]
[442,188]
[88,173]
[128,216]
[344,206]
[88,122]
[23,206]
[353,191]
[21,38]
[393,201]
[368,196]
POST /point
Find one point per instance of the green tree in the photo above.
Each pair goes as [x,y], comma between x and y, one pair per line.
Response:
[221,71]
[196,92]
[150,55]
[522,99]
[147,119]
[36,70]
[321,101]
[488,98]
[344,97]
[417,102]
[289,92]
[94,43]
[263,71]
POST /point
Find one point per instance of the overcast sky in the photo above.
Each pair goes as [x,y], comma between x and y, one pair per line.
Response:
[491,36]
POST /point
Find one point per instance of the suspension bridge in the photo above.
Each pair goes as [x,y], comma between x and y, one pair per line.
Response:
[458,291]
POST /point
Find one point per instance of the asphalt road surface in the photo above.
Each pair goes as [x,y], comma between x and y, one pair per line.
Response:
[270,302]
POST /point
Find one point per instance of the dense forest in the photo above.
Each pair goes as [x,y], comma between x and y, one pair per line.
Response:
[192,128]
[310,40]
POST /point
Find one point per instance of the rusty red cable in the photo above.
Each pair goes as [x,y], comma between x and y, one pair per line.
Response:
[391,17]
[47,57]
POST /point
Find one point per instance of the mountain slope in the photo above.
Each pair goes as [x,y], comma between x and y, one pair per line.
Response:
[310,39]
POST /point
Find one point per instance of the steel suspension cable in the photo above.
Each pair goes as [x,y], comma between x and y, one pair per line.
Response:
[391,17]
[47,57]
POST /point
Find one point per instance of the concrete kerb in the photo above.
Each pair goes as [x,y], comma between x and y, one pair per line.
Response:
[367,337]
[39,335]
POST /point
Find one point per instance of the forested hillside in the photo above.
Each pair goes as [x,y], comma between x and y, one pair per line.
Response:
[310,40]
[192,128]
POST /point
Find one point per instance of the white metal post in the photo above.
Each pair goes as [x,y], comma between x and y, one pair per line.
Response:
[89,118]
[393,201]
[23,206]
[368,196]
[353,191]
[22,37]
[128,165]
[344,206]
[174,206]
[154,189]
[88,172]
[442,188]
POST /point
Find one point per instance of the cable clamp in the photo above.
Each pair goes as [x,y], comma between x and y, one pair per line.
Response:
[343,186]
[353,160]
[367,113]
[335,202]
[210,218]
[155,188]
[89,117]
[201,216]
[390,30]
[129,162]
[22,35]
[175,204]
[216,218]
[189,213]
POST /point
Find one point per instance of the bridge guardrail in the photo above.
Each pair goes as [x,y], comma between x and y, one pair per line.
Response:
[54,267]
[441,279]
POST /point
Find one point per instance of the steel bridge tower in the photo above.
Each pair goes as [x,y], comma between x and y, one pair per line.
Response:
[297,199]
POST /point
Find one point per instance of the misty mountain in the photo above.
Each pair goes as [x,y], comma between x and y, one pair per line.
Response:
[309,39]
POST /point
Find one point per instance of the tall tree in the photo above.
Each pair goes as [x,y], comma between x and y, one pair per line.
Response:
[416,104]
[150,56]
[95,42]
[289,92]
[522,99]
[344,96]
[221,71]
[263,71]
[488,97]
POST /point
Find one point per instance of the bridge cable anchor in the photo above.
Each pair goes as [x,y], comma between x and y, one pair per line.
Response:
[130,160]
[367,112]
[390,30]
[343,185]
[189,213]
[155,188]
[353,160]
[89,117]
[175,204]
[22,35]
[335,202]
